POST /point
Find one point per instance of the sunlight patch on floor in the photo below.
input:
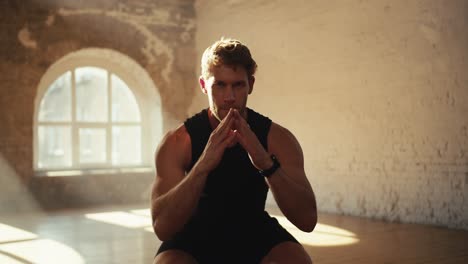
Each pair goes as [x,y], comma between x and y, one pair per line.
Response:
[322,236]
[41,251]
[142,212]
[6,259]
[121,218]
[9,234]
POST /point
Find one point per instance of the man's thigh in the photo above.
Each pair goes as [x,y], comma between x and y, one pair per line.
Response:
[287,252]
[174,256]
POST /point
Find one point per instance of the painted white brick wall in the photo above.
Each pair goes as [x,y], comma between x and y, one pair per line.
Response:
[375,91]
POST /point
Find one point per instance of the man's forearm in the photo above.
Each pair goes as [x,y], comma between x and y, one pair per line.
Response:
[172,210]
[295,201]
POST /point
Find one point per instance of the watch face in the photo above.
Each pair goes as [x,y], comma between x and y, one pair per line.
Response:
[273,157]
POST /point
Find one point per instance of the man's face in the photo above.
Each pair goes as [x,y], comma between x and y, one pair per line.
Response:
[227,87]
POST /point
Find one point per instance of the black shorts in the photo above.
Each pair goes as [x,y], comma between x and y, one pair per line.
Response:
[229,242]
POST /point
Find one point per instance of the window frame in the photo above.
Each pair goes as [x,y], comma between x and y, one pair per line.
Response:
[139,83]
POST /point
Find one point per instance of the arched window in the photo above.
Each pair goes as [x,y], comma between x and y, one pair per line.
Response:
[90,115]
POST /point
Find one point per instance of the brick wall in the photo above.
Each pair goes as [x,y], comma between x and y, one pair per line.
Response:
[375,91]
[157,34]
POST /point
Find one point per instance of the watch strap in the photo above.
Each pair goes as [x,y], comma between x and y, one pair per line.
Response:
[268,172]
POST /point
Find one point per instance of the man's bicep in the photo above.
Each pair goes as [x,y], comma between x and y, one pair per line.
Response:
[166,179]
[289,153]
[169,167]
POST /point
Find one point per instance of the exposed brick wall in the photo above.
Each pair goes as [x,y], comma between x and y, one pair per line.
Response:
[158,34]
[375,91]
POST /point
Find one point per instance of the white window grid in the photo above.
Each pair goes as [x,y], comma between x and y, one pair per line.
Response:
[76,125]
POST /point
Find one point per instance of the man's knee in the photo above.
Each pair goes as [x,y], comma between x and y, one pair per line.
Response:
[174,257]
[287,252]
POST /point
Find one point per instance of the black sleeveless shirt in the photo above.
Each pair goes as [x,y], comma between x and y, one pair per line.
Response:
[234,189]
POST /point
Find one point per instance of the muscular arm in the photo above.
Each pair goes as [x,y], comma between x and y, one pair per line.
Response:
[290,187]
[175,194]
[289,184]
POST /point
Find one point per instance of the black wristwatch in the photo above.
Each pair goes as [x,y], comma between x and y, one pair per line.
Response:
[268,172]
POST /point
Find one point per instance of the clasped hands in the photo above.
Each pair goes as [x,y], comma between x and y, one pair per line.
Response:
[231,130]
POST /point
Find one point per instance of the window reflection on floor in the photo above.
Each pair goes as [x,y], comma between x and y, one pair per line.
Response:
[10,234]
[10,260]
[42,251]
[20,246]
[323,235]
[125,219]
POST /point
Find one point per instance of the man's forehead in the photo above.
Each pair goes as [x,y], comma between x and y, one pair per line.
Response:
[233,67]
[223,71]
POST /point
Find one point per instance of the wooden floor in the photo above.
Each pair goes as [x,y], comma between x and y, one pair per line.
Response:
[124,235]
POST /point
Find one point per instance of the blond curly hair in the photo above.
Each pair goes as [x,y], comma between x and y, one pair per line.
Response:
[227,51]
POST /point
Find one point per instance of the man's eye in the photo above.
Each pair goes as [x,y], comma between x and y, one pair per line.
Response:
[239,84]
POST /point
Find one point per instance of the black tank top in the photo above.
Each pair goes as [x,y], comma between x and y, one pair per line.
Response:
[234,189]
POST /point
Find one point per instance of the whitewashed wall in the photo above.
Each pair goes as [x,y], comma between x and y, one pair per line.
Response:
[375,91]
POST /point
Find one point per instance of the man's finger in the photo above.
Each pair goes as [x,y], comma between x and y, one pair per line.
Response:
[241,125]
[242,140]
[227,123]
[231,138]
[222,133]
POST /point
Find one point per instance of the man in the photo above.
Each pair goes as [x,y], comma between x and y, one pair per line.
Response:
[214,171]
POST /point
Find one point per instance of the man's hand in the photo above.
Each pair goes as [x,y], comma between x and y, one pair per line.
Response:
[221,138]
[249,141]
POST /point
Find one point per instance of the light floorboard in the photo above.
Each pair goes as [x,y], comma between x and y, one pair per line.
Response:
[123,234]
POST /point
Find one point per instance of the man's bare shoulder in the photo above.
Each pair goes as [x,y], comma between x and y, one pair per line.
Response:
[175,144]
[280,139]
[176,136]
[280,133]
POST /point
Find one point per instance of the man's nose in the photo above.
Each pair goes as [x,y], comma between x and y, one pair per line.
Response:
[229,95]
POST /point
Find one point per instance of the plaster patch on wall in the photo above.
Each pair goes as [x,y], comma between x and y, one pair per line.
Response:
[430,34]
[50,20]
[162,15]
[24,37]
[339,203]
[153,46]
[185,36]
